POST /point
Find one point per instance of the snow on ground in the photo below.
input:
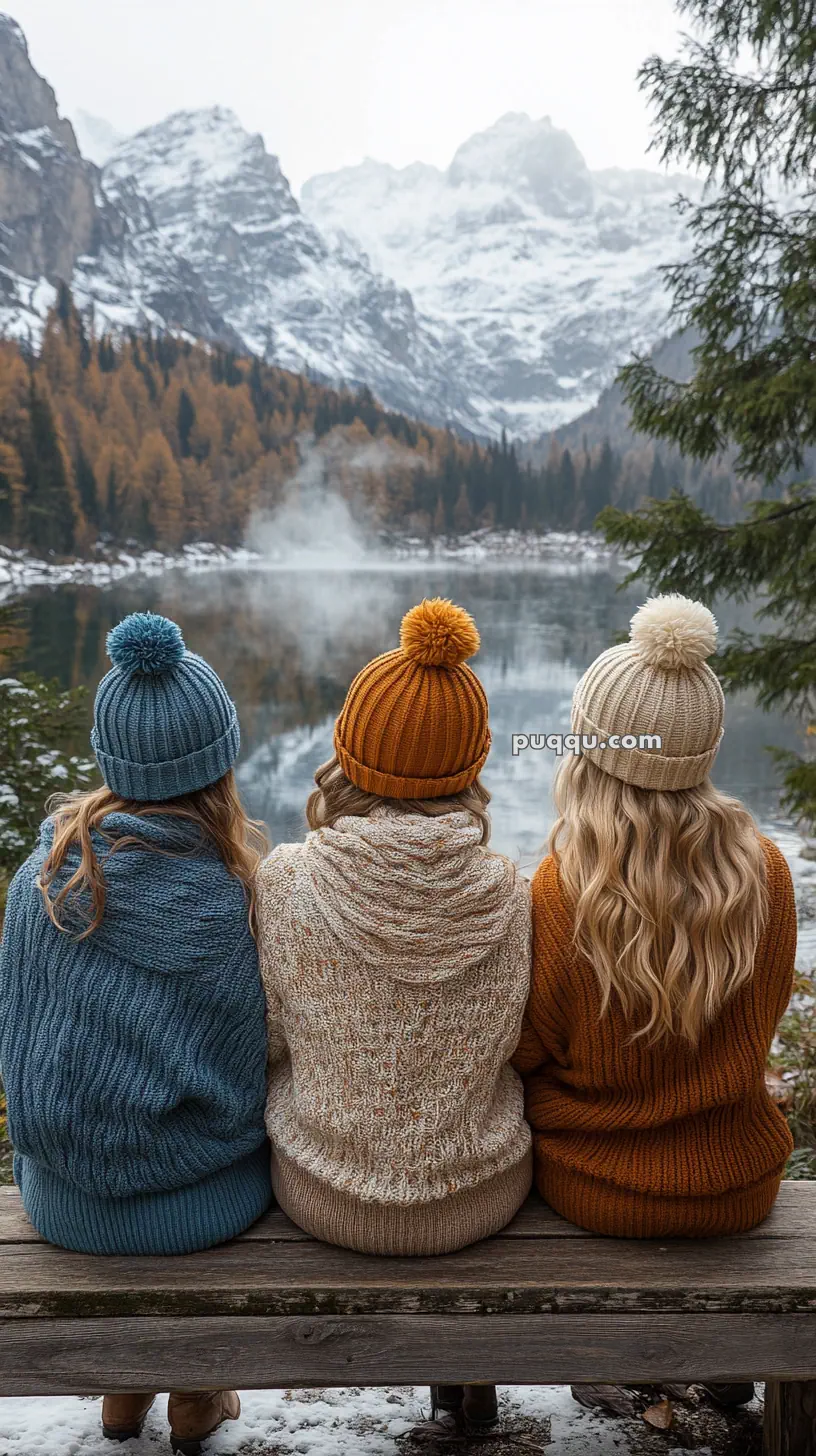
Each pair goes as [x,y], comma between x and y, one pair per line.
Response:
[370,1422]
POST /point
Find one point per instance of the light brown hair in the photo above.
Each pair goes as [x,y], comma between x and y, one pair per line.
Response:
[336,796]
[217,810]
[669,894]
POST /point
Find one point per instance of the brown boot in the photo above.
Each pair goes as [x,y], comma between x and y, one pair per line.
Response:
[460,1414]
[194,1415]
[124,1415]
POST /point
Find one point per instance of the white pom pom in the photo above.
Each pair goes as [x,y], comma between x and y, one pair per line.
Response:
[673,632]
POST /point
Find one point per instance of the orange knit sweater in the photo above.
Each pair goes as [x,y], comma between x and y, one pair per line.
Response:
[651,1142]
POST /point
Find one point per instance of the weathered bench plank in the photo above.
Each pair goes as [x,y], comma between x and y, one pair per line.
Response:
[792,1218]
[494,1277]
[68,1356]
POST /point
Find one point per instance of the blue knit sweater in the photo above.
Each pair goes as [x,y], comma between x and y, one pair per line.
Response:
[134,1060]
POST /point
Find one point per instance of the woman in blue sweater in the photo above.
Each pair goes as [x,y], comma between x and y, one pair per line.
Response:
[132,1038]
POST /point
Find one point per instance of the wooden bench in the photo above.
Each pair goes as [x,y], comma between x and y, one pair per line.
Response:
[542,1303]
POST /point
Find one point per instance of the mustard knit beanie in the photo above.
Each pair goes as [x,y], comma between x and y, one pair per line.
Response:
[414,723]
[657,683]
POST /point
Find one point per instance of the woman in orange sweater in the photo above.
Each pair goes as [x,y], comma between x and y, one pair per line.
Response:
[664,943]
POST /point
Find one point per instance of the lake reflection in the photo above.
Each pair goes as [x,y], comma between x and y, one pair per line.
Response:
[288,643]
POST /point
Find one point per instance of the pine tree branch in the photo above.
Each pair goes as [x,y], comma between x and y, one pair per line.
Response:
[781,670]
[729,122]
[680,548]
[799,793]
[748,294]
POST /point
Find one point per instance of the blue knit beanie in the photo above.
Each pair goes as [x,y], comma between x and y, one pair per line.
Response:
[164,724]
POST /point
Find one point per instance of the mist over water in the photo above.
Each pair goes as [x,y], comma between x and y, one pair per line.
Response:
[313,526]
[316,526]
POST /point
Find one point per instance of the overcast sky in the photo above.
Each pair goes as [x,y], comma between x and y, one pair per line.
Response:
[328,82]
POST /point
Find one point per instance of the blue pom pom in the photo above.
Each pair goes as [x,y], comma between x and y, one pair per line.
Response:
[145,642]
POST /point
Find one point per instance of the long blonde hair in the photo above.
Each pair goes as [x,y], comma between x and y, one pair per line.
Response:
[336,796]
[216,810]
[668,891]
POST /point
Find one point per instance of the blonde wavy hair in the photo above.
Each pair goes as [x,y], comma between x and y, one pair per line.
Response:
[217,810]
[668,891]
[336,796]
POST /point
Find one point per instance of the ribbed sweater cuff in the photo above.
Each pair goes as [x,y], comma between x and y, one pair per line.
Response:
[605,1208]
[438,1227]
[175,1222]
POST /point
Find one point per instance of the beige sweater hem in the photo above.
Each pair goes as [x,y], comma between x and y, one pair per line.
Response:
[438,1227]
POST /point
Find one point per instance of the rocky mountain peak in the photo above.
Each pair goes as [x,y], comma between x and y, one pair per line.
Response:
[203,207]
[198,162]
[47,207]
[27,102]
[534,156]
[547,273]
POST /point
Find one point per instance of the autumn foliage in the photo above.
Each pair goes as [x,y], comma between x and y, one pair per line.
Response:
[157,441]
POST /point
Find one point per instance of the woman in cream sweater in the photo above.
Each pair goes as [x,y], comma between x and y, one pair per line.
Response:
[395,953]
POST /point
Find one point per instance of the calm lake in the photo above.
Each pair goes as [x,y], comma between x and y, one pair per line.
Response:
[288,642]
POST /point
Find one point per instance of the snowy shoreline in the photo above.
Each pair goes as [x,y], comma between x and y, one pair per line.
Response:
[20,571]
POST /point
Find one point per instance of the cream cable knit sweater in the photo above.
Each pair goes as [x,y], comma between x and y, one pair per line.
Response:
[395,954]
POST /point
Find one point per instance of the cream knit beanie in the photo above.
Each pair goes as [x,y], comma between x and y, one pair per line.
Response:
[656,683]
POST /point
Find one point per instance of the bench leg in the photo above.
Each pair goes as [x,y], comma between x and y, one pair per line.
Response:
[790,1418]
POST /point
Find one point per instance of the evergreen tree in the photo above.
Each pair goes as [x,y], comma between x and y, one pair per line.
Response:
[256,387]
[6,507]
[50,515]
[324,419]
[85,351]
[449,486]
[86,487]
[597,484]
[476,483]
[111,494]
[12,484]
[65,305]
[106,355]
[511,501]
[185,420]
[740,104]
[233,376]
[566,491]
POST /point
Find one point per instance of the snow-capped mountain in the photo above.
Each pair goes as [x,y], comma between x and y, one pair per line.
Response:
[208,193]
[192,226]
[502,292]
[547,271]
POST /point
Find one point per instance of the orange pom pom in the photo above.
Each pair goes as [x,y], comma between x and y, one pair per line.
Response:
[438,634]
